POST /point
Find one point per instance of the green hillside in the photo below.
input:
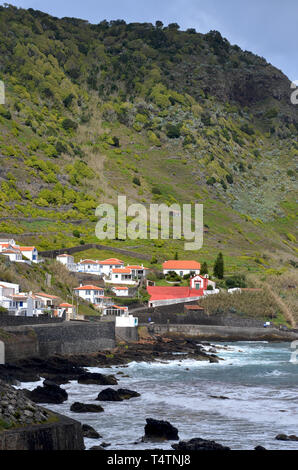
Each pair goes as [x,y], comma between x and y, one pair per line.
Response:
[152,112]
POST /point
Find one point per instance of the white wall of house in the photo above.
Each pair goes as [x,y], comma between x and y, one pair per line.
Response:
[120,292]
[126,321]
[182,272]
[91,295]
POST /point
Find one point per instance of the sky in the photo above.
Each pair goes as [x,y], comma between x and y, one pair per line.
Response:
[265,27]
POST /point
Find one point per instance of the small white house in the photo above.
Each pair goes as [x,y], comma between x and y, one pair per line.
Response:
[89,266]
[181,268]
[92,294]
[121,291]
[107,265]
[30,252]
[13,254]
[138,271]
[67,261]
[122,276]
[47,299]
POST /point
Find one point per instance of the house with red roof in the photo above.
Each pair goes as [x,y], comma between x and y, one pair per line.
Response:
[99,268]
[16,252]
[120,291]
[181,267]
[122,276]
[90,293]
[168,295]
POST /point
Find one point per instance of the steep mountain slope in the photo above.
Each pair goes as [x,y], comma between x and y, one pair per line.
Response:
[157,114]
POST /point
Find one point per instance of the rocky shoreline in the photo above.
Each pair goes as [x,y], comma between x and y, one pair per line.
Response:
[62,369]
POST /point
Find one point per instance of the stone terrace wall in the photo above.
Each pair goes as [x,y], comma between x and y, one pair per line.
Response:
[88,246]
[65,434]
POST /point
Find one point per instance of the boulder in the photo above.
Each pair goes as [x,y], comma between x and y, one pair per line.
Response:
[284,437]
[126,394]
[96,448]
[109,395]
[49,393]
[89,431]
[160,430]
[89,378]
[260,448]
[198,444]
[78,407]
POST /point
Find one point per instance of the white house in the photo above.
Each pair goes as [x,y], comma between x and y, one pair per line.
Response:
[201,282]
[99,267]
[6,291]
[92,294]
[26,305]
[122,276]
[67,261]
[16,252]
[122,317]
[120,291]
[108,265]
[89,266]
[29,252]
[138,271]
[181,268]
[48,300]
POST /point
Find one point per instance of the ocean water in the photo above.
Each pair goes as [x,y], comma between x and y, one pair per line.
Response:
[257,377]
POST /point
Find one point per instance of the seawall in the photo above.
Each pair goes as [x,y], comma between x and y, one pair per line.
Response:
[68,338]
[224,333]
[63,434]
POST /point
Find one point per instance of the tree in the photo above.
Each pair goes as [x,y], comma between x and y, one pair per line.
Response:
[159,24]
[218,269]
[204,269]
[176,255]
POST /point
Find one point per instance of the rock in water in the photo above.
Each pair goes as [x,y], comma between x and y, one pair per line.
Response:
[78,407]
[90,378]
[109,395]
[127,394]
[284,437]
[49,393]
[89,431]
[160,430]
[198,444]
[260,448]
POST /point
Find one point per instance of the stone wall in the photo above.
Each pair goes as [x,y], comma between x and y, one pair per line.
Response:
[88,246]
[19,344]
[174,314]
[127,333]
[67,338]
[64,434]
[224,333]
[11,320]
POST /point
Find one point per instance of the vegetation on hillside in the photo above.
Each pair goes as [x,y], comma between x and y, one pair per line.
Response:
[158,114]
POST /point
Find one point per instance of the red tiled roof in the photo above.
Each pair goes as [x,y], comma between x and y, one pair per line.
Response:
[88,288]
[60,256]
[165,293]
[177,264]
[136,267]
[88,261]
[66,305]
[27,248]
[120,288]
[111,261]
[121,271]
[42,294]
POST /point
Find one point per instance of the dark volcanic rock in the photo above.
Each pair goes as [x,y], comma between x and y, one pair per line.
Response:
[219,397]
[49,393]
[78,407]
[260,448]
[284,437]
[109,395]
[127,394]
[198,444]
[96,448]
[160,430]
[60,379]
[89,431]
[89,378]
